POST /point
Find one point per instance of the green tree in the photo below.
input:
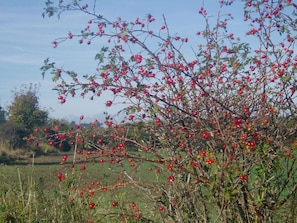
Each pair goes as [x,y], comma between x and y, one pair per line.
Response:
[25,110]
[2,115]
[11,136]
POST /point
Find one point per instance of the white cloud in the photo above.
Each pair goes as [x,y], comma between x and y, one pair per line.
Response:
[20,60]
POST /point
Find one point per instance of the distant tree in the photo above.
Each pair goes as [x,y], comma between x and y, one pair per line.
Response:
[25,111]
[24,114]
[2,115]
[11,136]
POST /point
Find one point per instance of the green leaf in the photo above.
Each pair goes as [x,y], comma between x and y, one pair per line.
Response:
[286,78]
[99,57]
[47,66]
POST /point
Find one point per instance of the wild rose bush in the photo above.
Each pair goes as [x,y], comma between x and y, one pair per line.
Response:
[213,132]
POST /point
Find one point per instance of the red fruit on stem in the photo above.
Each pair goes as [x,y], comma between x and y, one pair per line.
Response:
[205,135]
[91,205]
[114,203]
[108,103]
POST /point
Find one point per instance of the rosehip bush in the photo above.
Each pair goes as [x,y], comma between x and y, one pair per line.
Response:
[213,133]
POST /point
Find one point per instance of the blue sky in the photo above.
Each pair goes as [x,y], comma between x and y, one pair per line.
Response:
[26,37]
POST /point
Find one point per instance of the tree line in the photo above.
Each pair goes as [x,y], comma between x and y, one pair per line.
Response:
[20,119]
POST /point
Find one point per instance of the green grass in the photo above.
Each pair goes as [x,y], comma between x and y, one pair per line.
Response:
[30,192]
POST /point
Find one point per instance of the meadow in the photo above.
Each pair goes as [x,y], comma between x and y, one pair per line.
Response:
[30,192]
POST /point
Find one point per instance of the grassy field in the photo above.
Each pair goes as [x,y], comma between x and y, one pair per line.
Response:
[30,192]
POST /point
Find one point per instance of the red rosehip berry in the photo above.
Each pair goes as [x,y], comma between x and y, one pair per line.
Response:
[92,205]
[114,203]
[205,135]
[209,161]
[108,103]
[82,168]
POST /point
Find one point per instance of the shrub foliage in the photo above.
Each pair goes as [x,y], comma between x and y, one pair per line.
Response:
[213,131]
